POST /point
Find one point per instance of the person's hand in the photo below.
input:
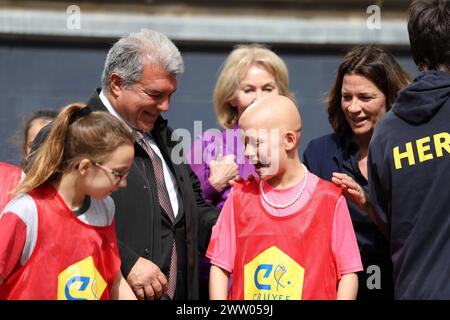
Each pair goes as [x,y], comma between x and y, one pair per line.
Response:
[222,171]
[352,190]
[147,280]
[250,177]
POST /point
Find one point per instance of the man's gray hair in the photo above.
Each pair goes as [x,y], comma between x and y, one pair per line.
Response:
[129,55]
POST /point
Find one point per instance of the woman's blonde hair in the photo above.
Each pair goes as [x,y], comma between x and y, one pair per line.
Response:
[77,133]
[234,69]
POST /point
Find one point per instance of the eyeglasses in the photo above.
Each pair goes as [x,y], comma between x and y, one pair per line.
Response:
[119,176]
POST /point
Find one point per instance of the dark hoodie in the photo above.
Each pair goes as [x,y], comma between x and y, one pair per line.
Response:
[409,184]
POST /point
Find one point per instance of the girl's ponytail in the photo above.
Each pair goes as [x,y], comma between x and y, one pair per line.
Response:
[48,160]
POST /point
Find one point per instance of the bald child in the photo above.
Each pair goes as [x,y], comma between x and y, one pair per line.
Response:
[287,234]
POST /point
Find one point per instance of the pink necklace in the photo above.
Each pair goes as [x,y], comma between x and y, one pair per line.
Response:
[283,206]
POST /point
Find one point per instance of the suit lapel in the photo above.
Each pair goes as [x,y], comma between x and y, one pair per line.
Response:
[95,103]
[159,134]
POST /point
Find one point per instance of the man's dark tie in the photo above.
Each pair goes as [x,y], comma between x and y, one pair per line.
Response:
[164,201]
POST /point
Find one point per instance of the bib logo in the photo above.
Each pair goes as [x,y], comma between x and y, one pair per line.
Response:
[81,281]
[273,275]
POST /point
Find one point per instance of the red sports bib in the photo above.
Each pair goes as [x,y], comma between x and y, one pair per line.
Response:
[71,260]
[284,258]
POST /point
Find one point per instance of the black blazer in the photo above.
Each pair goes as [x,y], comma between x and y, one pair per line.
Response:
[323,156]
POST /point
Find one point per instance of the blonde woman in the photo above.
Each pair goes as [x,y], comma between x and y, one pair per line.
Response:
[58,238]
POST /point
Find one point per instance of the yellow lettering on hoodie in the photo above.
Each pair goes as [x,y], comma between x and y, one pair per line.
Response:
[441,142]
[407,154]
[422,148]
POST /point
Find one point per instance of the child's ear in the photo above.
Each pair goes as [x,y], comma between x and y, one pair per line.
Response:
[290,140]
[84,166]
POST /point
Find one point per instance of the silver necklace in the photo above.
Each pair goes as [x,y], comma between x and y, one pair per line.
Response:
[283,206]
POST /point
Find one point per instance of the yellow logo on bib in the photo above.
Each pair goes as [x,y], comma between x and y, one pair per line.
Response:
[273,275]
[81,281]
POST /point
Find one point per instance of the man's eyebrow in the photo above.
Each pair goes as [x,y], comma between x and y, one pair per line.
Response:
[152,91]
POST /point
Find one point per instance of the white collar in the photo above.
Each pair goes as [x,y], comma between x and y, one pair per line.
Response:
[112,110]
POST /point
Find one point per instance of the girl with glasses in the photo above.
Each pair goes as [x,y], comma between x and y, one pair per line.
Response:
[58,238]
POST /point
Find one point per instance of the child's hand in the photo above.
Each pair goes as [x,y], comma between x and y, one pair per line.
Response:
[352,190]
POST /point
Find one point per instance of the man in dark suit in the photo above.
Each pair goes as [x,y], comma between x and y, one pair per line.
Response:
[137,82]
[138,79]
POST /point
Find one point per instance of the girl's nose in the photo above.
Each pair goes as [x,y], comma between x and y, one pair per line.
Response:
[123,183]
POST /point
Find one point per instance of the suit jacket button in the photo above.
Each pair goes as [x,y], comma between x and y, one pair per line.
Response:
[147,251]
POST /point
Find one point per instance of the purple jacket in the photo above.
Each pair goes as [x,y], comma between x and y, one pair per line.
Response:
[212,145]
